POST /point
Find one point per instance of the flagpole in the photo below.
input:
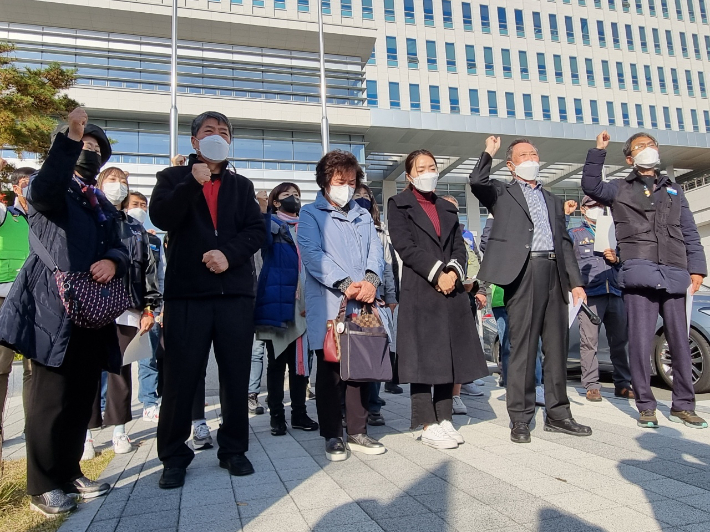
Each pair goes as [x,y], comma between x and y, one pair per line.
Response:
[324,128]
[173,84]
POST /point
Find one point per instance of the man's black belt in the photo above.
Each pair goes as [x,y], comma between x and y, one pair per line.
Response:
[550,255]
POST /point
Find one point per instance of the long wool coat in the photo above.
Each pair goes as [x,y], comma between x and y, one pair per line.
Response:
[437,340]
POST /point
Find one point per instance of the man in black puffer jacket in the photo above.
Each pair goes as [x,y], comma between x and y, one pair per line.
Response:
[214,226]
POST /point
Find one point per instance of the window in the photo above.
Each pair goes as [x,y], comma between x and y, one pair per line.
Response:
[635,76]
[642,39]
[679,116]
[510,104]
[557,63]
[691,11]
[629,37]
[706,118]
[470,59]
[585,32]
[569,29]
[485,19]
[454,106]
[524,70]
[537,25]
[594,108]
[434,98]
[412,59]
[431,55]
[664,10]
[303,7]
[696,47]
[578,111]
[703,12]
[281,4]
[391,51]
[601,34]
[625,118]
[371,92]
[678,10]
[367,12]
[674,81]
[502,21]
[620,77]
[389,10]
[450,57]
[625,5]
[694,120]
[701,85]
[541,67]
[656,41]
[562,108]
[707,46]
[639,7]
[554,30]
[639,115]
[428,12]
[519,23]
[256,3]
[372,60]
[492,103]
[654,117]
[598,4]
[409,15]
[667,117]
[606,75]
[574,70]
[669,42]
[590,72]
[582,3]
[527,106]
[507,65]
[652,7]
[546,113]
[615,36]
[661,80]
[346,8]
[467,16]
[612,5]
[447,13]
[683,44]
[689,83]
[488,60]
[415,101]
[394,95]
[473,101]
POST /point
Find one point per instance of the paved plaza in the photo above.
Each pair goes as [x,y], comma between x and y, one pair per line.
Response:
[622,478]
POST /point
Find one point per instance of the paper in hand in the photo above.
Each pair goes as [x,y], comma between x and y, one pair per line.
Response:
[139,348]
[688,306]
[605,234]
[573,309]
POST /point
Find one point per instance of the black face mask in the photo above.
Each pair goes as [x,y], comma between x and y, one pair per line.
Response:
[364,203]
[290,204]
[88,166]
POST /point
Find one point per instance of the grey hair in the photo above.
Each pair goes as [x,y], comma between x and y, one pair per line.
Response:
[509,151]
[627,144]
[201,119]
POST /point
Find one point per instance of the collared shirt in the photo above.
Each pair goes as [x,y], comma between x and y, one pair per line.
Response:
[542,232]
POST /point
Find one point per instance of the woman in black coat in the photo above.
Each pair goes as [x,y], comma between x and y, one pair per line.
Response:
[437,340]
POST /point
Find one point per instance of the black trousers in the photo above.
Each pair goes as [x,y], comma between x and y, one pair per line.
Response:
[275,381]
[198,403]
[428,409]
[59,411]
[118,389]
[536,307]
[191,326]
[394,359]
[329,390]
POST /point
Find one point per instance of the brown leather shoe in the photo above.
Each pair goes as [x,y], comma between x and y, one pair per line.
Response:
[594,395]
[626,393]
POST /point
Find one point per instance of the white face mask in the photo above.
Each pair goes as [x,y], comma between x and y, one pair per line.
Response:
[426,182]
[137,213]
[23,191]
[528,170]
[214,148]
[115,192]
[341,194]
[647,158]
[593,213]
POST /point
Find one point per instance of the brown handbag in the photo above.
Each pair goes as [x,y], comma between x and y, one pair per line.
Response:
[333,329]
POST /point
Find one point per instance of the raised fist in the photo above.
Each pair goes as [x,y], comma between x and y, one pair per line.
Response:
[492,145]
[201,173]
[262,197]
[570,206]
[603,140]
[77,121]
[178,160]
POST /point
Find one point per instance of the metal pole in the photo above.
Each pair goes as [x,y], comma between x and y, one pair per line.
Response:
[324,128]
[173,84]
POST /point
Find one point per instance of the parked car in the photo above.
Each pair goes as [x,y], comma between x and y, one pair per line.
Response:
[660,358]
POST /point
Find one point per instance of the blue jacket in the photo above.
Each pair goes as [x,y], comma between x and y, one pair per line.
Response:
[334,246]
[598,275]
[278,280]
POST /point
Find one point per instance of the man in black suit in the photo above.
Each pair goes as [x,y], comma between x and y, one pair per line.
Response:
[530,255]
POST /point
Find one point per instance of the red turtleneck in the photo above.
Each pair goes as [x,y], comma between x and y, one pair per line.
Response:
[426,200]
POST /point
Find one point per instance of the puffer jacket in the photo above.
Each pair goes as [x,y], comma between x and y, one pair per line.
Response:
[142,278]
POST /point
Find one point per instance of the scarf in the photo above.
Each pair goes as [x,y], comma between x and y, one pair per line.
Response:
[101,206]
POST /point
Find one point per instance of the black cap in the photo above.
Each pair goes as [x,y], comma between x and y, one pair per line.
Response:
[93,131]
[587,201]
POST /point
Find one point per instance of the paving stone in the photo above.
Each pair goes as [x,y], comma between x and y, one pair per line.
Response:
[103,526]
[419,523]
[164,519]
[400,506]
[257,491]
[291,523]
[267,506]
[674,513]
[330,517]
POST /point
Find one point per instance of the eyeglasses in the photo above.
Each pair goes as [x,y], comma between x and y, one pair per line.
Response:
[649,144]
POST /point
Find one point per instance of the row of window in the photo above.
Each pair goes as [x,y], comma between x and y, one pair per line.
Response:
[653,5]
[509,111]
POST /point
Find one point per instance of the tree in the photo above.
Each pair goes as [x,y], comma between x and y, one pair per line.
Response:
[31,101]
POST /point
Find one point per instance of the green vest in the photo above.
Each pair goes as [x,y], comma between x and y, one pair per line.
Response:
[14,246]
[496,296]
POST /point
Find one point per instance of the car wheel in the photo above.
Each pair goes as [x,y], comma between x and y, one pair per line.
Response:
[700,360]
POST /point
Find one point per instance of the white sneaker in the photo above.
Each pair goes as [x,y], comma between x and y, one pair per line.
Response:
[201,438]
[479,382]
[540,395]
[151,413]
[471,389]
[435,436]
[122,444]
[458,406]
[89,451]
[451,431]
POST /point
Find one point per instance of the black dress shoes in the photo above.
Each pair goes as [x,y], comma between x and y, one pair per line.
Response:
[238,465]
[520,433]
[172,477]
[278,426]
[567,426]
